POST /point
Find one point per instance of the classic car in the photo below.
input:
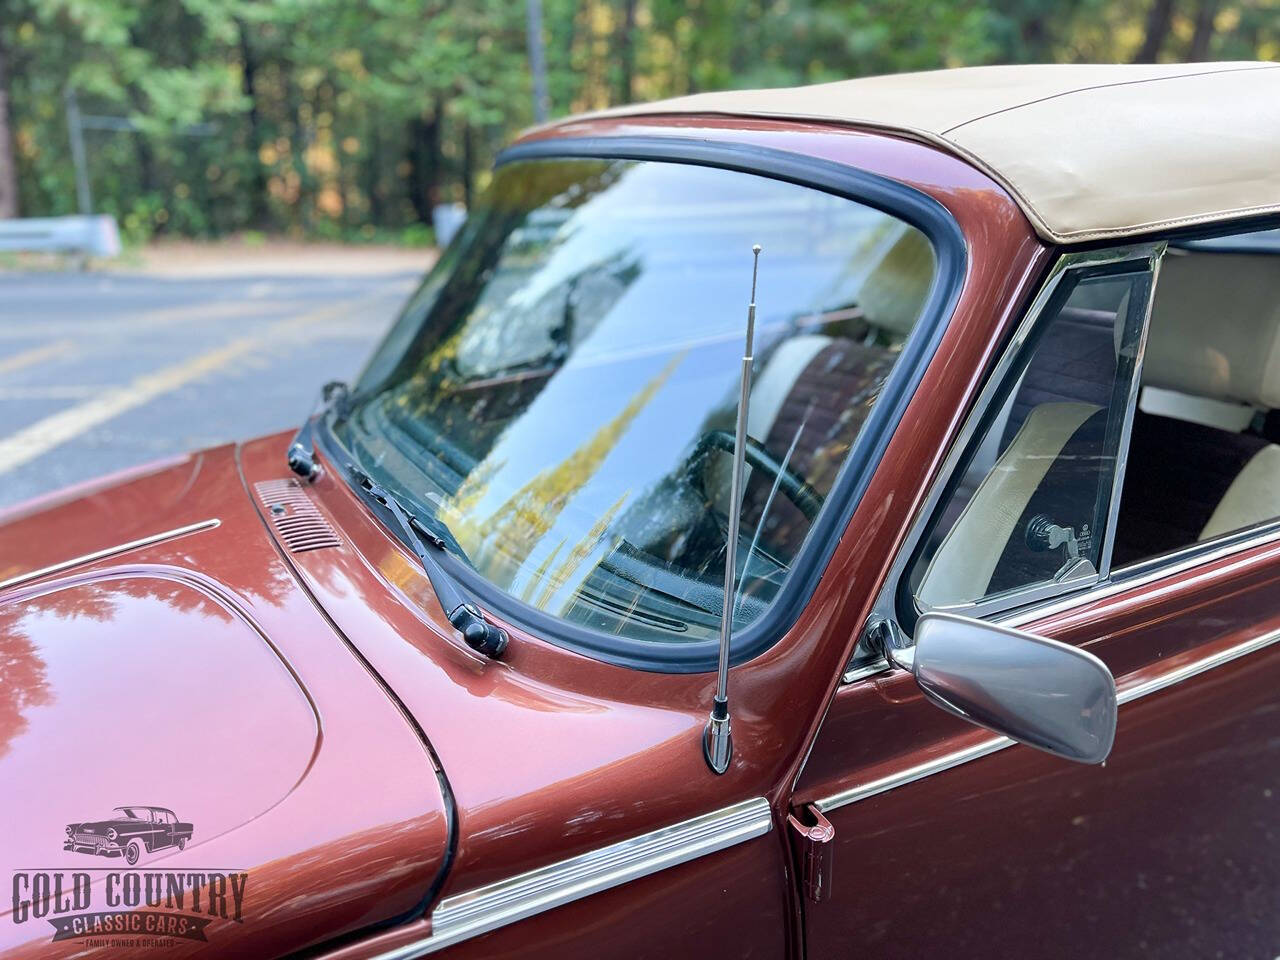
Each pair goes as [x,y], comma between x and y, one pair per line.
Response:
[989,463]
[132,832]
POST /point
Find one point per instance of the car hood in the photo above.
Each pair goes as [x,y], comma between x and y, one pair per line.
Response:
[102,826]
[155,648]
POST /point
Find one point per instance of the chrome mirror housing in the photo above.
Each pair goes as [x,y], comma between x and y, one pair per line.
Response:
[1046,694]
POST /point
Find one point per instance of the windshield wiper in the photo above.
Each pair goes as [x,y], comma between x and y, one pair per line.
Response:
[478,633]
[302,451]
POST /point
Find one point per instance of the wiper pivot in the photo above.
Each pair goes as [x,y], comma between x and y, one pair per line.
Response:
[478,633]
[302,452]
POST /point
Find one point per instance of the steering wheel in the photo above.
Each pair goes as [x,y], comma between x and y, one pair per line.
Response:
[806,499]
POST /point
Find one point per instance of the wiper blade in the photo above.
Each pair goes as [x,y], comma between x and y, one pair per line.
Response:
[478,633]
[302,451]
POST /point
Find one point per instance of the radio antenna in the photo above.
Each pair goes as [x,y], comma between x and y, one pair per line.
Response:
[717,738]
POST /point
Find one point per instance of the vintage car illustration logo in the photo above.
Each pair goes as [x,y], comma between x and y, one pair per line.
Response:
[129,904]
[132,833]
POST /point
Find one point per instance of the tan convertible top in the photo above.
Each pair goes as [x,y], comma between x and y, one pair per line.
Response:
[1089,151]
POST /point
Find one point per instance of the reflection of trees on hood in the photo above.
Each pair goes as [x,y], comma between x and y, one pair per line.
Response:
[23,684]
[23,679]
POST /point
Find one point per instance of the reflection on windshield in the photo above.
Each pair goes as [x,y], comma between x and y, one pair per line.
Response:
[557,388]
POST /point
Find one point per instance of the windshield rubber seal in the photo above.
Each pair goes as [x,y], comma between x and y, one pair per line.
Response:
[889,196]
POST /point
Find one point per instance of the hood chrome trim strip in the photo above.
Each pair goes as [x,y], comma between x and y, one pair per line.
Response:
[486,908]
[1175,676]
[108,552]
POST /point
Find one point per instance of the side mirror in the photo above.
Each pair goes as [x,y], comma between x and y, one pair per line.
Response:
[1040,692]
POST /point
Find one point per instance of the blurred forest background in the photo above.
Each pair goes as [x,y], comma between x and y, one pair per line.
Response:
[341,120]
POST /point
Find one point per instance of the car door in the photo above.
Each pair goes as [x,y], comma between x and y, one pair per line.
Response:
[158,832]
[167,828]
[950,840]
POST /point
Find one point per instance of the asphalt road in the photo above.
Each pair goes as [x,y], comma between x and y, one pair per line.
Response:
[100,372]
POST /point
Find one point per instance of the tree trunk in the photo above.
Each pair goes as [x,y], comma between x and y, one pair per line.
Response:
[424,163]
[1159,21]
[627,51]
[468,160]
[1203,34]
[8,166]
[1035,40]
[373,177]
[299,141]
[258,201]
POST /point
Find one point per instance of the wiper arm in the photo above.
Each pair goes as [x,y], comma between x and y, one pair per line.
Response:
[302,452]
[480,635]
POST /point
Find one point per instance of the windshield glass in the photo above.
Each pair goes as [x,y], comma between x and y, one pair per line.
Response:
[561,391]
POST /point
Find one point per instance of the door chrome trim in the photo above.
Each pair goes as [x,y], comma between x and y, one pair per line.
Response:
[1176,676]
[108,552]
[495,905]
[957,757]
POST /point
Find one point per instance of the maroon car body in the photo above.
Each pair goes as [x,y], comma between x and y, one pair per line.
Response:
[388,792]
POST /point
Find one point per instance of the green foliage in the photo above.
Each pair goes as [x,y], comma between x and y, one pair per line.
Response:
[349,121]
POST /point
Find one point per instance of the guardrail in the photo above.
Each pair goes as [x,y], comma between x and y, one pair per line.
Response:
[447,219]
[94,236]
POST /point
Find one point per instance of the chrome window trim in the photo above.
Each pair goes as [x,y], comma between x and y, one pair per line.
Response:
[498,904]
[108,552]
[947,761]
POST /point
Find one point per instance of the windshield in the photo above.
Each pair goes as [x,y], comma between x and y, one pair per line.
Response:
[561,390]
[132,813]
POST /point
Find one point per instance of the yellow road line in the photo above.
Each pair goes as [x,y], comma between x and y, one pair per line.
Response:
[35,355]
[119,323]
[43,435]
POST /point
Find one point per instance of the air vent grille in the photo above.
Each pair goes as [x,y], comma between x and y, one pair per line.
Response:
[295,517]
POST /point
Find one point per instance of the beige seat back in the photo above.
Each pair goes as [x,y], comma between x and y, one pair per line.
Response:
[1215,334]
[963,566]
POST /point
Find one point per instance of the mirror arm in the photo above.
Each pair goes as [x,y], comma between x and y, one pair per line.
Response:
[884,637]
[902,657]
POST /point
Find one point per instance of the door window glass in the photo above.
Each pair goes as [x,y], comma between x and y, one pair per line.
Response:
[1205,452]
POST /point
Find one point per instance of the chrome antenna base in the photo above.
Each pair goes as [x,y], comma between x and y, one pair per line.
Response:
[717,738]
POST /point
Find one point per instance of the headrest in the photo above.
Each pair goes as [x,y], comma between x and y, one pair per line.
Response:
[1215,327]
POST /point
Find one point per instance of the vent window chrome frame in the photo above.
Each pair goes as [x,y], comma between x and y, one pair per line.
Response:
[1144,257]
